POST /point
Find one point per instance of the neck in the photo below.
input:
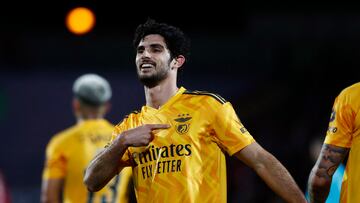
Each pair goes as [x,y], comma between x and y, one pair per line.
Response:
[82,118]
[158,95]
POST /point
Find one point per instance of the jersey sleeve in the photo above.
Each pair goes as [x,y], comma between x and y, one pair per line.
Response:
[342,122]
[230,133]
[56,161]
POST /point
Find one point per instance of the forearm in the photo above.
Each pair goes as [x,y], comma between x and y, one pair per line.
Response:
[107,164]
[44,200]
[279,179]
[51,190]
[48,198]
[318,187]
[104,166]
[321,175]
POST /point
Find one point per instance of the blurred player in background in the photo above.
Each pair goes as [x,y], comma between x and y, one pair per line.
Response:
[176,143]
[70,151]
[342,139]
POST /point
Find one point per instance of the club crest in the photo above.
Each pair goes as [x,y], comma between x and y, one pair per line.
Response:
[183,123]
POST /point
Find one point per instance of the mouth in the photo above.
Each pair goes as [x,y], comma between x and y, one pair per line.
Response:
[146,66]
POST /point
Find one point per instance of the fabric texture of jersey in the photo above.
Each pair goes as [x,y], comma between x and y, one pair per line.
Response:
[344,131]
[185,163]
[69,153]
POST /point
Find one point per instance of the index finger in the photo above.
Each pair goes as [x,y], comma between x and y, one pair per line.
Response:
[158,126]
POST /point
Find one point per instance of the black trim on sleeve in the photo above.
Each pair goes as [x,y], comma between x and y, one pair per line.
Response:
[215,96]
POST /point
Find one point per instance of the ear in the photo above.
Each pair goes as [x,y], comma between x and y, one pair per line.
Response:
[107,107]
[76,105]
[178,61]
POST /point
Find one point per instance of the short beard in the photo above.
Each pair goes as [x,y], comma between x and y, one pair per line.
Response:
[154,80]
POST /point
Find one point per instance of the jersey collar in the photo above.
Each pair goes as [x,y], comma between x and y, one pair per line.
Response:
[168,103]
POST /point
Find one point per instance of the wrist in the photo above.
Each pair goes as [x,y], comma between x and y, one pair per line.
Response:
[123,142]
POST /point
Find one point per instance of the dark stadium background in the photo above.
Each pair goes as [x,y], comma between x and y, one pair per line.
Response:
[281,66]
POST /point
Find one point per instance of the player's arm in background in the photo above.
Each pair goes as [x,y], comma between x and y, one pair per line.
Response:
[336,146]
[54,173]
[272,172]
[51,190]
[321,175]
[108,163]
[233,138]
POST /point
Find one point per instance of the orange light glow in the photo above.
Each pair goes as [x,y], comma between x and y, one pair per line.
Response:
[80,20]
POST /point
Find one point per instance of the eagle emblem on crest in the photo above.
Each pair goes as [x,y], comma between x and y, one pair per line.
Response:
[182,126]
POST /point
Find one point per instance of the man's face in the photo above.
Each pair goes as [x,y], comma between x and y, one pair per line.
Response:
[152,60]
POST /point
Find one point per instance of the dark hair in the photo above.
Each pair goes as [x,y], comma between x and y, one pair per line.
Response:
[175,39]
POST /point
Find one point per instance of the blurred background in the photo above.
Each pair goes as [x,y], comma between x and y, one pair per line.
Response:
[280,66]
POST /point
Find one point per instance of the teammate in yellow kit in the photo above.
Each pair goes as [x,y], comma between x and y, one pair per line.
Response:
[70,151]
[342,139]
[176,143]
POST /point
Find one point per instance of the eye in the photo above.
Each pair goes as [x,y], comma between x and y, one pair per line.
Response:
[157,50]
[140,50]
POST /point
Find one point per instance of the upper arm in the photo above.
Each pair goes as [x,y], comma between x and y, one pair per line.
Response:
[328,161]
[252,155]
[54,171]
[56,159]
[337,141]
[51,190]
[342,121]
[230,134]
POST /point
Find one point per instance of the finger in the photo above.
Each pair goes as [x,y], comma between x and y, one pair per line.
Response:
[158,126]
[152,136]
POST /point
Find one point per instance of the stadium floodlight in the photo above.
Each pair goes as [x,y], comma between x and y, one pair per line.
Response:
[80,20]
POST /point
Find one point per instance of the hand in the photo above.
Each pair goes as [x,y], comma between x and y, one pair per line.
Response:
[142,135]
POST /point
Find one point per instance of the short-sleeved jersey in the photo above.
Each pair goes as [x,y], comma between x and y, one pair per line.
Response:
[69,153]
[185,163]
[344,131]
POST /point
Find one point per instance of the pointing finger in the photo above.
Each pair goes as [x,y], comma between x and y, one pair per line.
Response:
[158,126]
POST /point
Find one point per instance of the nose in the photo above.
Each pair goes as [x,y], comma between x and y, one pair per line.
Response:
[145,54]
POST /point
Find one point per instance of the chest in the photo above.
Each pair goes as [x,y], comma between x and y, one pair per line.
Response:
[190,132]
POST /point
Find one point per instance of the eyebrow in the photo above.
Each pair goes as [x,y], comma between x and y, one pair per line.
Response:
[156,45]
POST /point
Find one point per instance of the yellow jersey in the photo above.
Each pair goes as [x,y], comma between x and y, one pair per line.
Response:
[344,131]
[185,163]
[69,153]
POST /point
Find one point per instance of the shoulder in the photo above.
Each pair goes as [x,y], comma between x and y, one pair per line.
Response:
[129,118]
[63,137]
[353,90]
[212,97]
[350,95]
[108,124]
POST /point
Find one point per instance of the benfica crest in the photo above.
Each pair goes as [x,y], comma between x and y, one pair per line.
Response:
[182,126]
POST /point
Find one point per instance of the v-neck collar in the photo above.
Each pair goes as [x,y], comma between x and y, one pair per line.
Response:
[172,99]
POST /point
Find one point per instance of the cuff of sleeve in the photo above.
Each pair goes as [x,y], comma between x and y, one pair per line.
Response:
[231,151]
